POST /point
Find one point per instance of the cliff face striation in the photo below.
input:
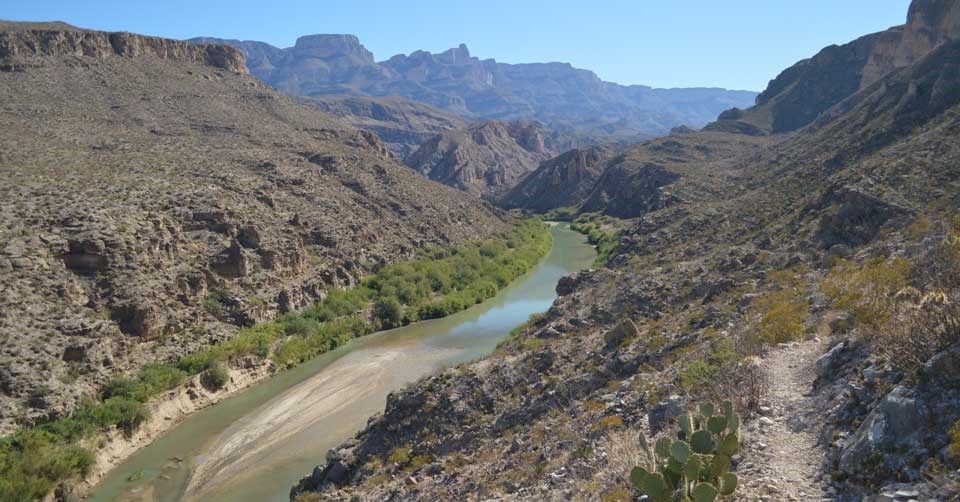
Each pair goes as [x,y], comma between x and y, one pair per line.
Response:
[23,42]
[155,198]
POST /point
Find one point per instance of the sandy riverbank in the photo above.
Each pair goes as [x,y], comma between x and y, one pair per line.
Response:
[168,411]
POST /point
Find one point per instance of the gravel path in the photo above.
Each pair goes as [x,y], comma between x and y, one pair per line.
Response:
[783,460]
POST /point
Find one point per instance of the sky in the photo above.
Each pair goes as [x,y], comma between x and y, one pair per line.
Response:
[735,44]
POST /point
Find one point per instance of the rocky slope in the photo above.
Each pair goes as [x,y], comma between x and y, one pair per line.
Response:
[557,94]
[155,197]
[400,123]
[487,158]
[563,181]
[688,308]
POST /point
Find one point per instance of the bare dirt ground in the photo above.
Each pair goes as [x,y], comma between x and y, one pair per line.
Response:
[784,458]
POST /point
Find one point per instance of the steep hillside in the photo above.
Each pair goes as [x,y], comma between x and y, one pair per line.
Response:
[802,92]
[819,89]
[155,197]
[487,158]
[557,94]
[563,181]
[729,281]
[402,124]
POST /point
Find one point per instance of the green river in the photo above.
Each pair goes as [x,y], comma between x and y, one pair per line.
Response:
[254,446]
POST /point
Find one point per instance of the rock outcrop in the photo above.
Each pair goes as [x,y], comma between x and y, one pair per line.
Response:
[486,158]
[153,202]
[22,42]
[563,181]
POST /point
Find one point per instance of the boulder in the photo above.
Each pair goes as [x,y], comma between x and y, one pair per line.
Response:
[664,413]
[832,361]
[623,331]
[566,285]
[896,423]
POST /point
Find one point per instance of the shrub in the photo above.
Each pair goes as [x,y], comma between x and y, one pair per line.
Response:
[122,412]
[121,387]
[700,372]
[915,333]
[196,362]
[155,378]
[744,383]
[389,311]
[592,225]
[867,291]
[33,462]
[298,325]
[954,447]
[400,456]
[778,317]
[215,377]
[697,465]
[215,303]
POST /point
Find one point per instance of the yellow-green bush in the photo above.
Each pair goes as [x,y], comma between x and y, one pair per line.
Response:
[867,291]
[592,225]
[778,317]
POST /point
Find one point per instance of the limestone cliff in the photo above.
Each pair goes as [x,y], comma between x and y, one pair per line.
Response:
[21,42]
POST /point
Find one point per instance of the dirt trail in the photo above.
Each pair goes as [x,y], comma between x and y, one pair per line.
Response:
[783,458]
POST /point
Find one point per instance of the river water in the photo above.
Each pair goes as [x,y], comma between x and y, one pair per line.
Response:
[254,446]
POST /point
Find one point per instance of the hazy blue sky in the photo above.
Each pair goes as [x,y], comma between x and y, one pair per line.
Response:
[738,44]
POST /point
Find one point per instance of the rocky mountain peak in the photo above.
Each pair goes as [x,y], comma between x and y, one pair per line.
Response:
[557,94]
[331,46]
[457,55]
[937,19]
[930,23]
[802,92]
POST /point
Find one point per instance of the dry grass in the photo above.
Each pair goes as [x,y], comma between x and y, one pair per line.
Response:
[622,453]
[744,384]
[915,333]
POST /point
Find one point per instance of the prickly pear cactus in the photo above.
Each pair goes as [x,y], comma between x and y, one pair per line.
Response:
[695,466]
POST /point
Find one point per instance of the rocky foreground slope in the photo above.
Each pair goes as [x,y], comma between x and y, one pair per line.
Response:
[734,247]
[155,197]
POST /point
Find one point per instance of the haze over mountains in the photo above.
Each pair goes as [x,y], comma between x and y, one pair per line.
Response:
[420,105]
[561,96]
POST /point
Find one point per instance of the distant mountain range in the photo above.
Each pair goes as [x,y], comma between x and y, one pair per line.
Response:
[565,98]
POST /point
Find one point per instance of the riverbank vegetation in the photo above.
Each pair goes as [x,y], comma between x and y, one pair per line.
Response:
[35,460]
[600,232]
